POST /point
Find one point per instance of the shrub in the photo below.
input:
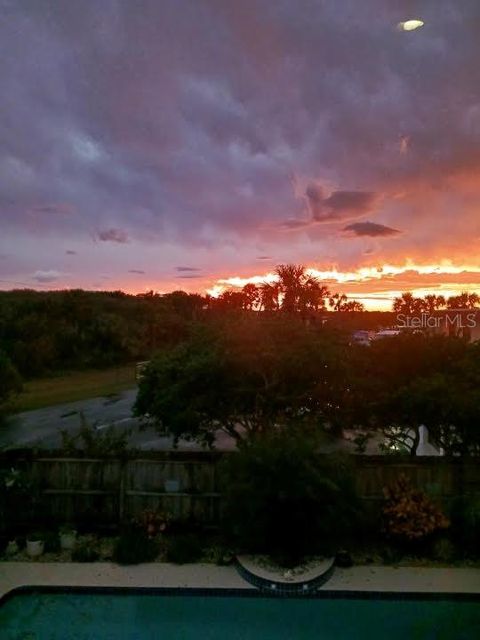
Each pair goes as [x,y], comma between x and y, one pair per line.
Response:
[466,524]
[36,536]
[282,498]
[85,552]
[91,442]
[471,518]
[443,550]
[183,549]
[134,546]
[18,499]
[52,542]
[409,514]
[67,529]
[152,522]
[219,554]
[10,383]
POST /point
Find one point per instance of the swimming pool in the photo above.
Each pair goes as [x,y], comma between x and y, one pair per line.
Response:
[188,615]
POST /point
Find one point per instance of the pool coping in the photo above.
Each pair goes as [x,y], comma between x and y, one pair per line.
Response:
[242,593]
[204,579]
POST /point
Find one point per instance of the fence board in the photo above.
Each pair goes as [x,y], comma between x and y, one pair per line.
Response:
[107,491]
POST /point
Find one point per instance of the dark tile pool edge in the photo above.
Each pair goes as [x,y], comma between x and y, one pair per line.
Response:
[279,589]
[241,593]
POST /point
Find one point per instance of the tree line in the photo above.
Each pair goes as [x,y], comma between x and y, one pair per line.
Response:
[43,333]
[262,374]
[407,303]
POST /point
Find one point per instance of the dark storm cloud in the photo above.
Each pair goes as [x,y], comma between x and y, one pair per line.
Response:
[339,205]
[162,120]
[187,268]
[370,229]
[113,235]
[336,207]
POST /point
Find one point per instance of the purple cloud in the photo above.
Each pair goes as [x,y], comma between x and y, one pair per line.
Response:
[113,235]
[199,154]
[339,205]
[181,269]
[139,271]
[370,229]
[53,209]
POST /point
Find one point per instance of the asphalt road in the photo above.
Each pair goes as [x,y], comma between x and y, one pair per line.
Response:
[41,428]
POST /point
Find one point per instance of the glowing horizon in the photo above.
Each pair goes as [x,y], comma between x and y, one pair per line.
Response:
[378,300]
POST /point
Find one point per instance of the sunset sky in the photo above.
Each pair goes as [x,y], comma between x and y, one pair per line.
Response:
[193,144]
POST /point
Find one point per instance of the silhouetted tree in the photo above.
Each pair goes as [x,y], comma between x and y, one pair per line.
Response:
[464,301]
[433,302]
[408,304]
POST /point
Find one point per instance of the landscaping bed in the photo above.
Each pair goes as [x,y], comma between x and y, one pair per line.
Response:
[208,549]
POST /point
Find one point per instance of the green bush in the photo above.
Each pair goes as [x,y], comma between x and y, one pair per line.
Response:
[91,442]
[10,383]
[443,550]
[134,546]
[466,525]
[18,499]
[85,552]
[283,499]
[52,542]
[183,549]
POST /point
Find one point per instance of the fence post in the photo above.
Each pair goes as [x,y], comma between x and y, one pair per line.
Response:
[123,462]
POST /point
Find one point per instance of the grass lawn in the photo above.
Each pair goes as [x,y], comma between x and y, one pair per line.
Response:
[69,387]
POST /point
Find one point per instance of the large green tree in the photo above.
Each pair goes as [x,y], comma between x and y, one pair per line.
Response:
[245,378]
[412,380]
[10,383]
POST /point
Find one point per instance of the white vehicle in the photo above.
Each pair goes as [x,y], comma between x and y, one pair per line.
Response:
[386,333]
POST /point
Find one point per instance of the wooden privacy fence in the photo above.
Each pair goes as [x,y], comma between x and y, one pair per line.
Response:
[110,491]
[105,491]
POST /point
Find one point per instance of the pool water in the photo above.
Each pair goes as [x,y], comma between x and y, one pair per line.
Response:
[147,616]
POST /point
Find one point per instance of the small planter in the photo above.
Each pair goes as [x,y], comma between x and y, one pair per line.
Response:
[172,486]
[12,548]
[35,547]
[343,559]
[68,540]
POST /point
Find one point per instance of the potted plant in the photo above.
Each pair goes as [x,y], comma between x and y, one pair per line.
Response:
[68,537]
[12,548]
[35,544]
